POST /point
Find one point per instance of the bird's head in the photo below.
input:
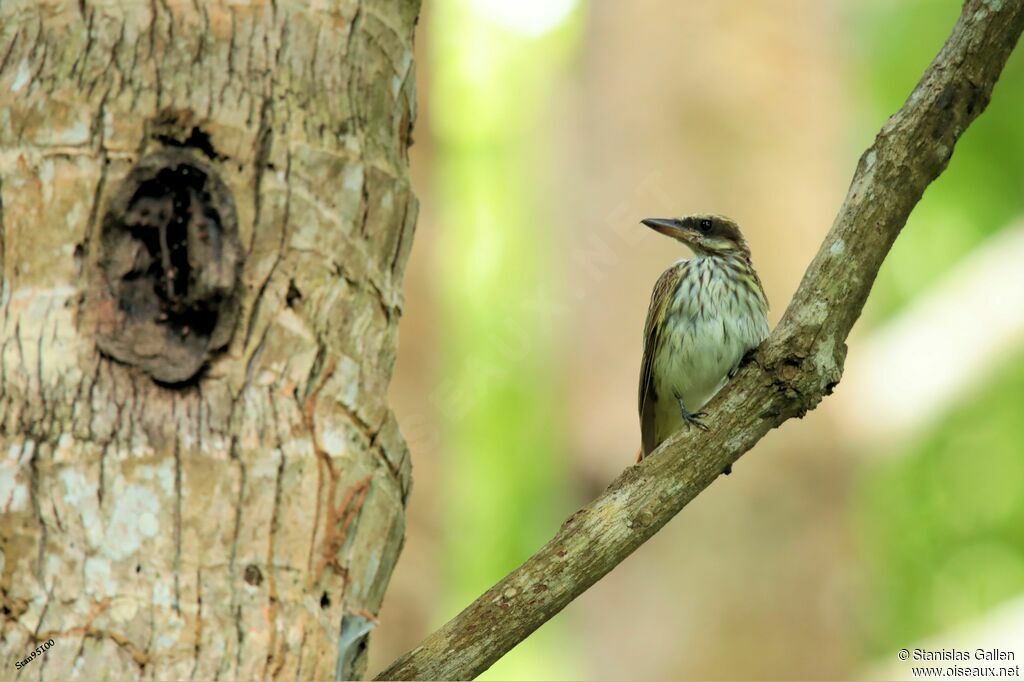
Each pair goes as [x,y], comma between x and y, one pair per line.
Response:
[705,234]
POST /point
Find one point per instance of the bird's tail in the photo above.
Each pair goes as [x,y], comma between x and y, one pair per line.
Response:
[639,454]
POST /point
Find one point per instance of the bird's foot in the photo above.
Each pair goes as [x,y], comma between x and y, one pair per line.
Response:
[691,418]
[694,419]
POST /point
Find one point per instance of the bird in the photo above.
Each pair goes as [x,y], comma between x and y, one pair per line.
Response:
[706,314]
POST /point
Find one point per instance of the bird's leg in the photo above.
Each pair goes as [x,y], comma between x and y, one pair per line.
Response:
[691,418]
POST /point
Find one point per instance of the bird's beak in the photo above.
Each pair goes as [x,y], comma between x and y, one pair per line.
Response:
[667,226]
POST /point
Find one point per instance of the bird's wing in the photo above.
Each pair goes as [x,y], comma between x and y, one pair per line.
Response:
[664,288]
[759,288]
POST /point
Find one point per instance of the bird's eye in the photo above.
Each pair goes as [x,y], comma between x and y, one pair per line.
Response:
[705,224]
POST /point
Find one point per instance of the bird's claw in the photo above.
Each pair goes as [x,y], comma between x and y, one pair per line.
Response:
[694,419]
[691,418]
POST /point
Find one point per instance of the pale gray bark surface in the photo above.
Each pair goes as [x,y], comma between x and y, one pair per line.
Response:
[799,364]
[226,527]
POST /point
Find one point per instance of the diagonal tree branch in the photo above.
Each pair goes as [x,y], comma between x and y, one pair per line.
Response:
[799,364]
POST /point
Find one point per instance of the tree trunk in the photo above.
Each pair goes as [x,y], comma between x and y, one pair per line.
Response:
[204,219]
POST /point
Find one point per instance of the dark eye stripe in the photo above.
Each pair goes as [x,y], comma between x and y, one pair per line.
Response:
[705,224]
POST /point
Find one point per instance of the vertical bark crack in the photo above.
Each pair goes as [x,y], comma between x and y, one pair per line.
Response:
[3,248]
[264,143]
[236,608]
[197,648]
[272,595]
[177,525]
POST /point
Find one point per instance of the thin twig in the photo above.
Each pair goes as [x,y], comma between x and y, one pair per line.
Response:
[800,363]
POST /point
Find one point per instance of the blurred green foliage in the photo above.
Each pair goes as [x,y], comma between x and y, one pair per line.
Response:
[504,473]
[982,191]
[941,522]
[942,525]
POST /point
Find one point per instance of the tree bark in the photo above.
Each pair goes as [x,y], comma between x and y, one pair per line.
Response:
[789,374]
[200,477]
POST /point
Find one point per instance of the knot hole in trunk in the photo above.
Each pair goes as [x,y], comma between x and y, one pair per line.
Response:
[171,263]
